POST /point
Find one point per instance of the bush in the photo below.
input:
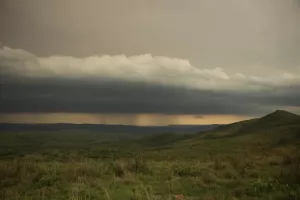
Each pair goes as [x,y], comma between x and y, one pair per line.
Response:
[119,168]
[262,186]
[138,165]
[193,171]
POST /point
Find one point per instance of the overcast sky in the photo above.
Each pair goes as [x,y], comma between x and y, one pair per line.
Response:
[148,62]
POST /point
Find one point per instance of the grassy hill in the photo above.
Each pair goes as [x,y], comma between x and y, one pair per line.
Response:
[274,121]
[253,159]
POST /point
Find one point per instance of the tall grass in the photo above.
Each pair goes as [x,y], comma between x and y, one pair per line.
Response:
[194,169]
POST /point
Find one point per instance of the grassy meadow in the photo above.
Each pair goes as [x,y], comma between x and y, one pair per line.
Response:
[256,159]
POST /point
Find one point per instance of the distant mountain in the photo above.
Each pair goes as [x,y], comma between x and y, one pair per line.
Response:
[275,122]
[103,128]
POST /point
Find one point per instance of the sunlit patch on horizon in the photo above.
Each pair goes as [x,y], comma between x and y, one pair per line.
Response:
[126,119]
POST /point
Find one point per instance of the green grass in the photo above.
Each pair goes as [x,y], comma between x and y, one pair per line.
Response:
[261,164]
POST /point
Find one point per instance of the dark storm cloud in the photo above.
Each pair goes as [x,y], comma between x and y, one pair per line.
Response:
[113,97]
[136,84]
[123,97]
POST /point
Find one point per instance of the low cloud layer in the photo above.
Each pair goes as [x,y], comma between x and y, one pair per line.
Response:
[136,84]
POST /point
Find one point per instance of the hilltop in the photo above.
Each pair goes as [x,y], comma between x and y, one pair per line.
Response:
[275,121]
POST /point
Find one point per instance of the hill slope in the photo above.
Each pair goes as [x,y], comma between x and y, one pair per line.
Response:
[275,121]
[256,159]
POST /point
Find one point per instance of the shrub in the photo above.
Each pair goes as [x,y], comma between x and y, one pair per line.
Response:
[187,171]
[119,168]
[138,165]
[262,186]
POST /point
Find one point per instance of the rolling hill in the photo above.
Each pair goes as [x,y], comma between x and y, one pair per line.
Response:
[273,122]
[255,159]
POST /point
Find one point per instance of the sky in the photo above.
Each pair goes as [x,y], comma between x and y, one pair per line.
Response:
[151,62]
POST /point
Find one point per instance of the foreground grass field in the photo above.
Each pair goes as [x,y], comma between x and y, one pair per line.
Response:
[227,163]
